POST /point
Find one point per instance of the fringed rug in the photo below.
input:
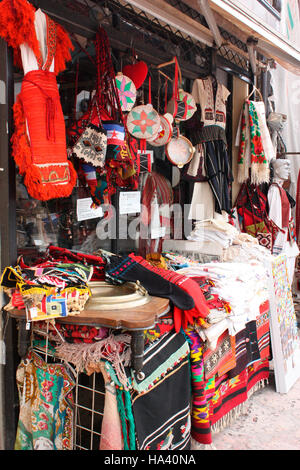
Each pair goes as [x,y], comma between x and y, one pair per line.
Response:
[161,401]
[219,400]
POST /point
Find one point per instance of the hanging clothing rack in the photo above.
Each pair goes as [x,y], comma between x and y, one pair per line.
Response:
[289,153]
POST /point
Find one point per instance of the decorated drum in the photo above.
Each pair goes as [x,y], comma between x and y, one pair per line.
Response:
[165,132]
[178,109]
[127,92]
[180,151]
[143,122]
[190,102]
[183,107]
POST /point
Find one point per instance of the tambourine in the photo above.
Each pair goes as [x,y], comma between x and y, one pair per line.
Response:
[165,132]
[127,92]
[143,122]
[180,151]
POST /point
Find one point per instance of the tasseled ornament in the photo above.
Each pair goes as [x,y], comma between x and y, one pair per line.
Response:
[113,349]
[126,416]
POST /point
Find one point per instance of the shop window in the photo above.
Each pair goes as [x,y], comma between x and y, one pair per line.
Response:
[62,222]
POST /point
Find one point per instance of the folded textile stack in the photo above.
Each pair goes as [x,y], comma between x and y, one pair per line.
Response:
[243,285]
[64,255]
[246,248]
[214,230]
[47,290]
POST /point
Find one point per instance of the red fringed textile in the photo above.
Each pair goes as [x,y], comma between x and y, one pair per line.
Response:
[39,140]
[17,27]
[216,398]
[63,47]
[181,317]
[17,24]
[42,161]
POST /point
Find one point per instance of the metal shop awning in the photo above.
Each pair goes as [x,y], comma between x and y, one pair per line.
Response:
[235,17]
[232,16]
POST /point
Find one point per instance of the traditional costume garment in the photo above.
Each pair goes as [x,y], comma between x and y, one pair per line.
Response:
[46,405]
[41,47]
[210,163]
[167,374]
[280,213]
[255,146]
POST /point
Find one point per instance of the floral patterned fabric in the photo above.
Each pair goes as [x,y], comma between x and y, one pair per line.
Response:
[251,150]
[46,405]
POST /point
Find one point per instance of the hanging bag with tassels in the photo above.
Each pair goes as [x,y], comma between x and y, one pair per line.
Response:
[92,143]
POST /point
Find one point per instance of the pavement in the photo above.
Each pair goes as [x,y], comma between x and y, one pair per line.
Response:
[270,421]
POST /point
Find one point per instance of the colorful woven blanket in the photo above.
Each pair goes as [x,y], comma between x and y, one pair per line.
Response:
[166,369]
[219,396]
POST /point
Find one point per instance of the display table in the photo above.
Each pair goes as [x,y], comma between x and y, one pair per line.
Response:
[134,320]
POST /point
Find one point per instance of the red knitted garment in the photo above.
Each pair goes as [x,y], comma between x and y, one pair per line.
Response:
[39,140]
[42,159]
[181,317]
[17,26]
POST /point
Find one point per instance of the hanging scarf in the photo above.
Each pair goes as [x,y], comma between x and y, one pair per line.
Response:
[251,151]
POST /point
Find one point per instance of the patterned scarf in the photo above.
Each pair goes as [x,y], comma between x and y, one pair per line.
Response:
[251,151]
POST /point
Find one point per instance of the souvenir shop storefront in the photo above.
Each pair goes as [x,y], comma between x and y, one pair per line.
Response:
[148,246]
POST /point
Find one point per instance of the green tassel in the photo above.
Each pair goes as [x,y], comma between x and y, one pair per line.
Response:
[122,414]
[131,420]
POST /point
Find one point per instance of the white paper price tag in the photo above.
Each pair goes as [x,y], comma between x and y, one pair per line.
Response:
[85,211]
[130,202]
